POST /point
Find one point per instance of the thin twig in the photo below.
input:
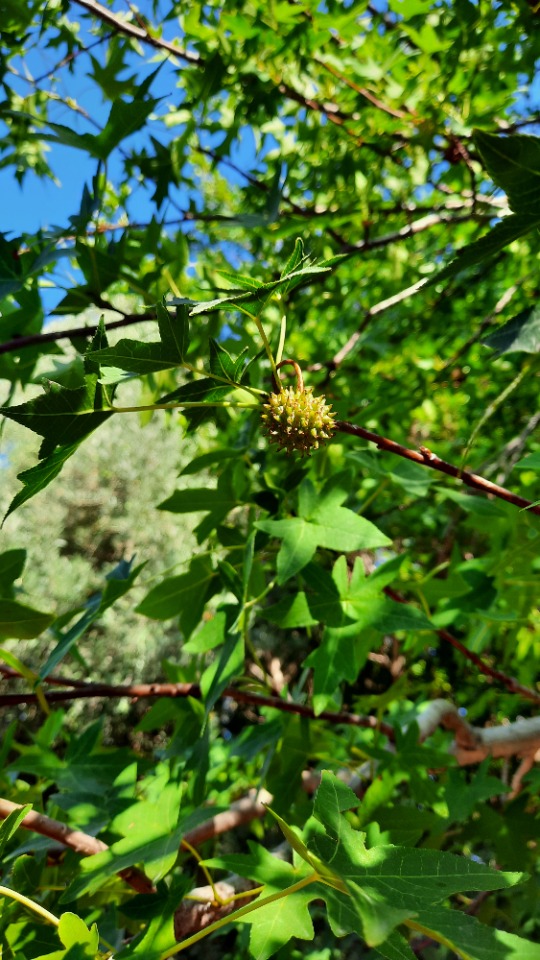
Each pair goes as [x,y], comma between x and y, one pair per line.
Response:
[130,30]
[511,684]
[426,458]
[136,690]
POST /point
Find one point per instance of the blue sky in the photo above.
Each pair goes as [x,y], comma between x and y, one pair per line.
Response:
[45,203]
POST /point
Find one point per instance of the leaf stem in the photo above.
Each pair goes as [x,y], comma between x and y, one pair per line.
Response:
[31,904]
[176,406]
[239,915]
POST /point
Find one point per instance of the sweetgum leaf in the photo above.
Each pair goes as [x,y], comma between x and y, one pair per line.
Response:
[63,416]
[322,523]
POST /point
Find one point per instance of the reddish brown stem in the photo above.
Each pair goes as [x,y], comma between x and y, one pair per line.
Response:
[511,684]
[137,690]
[425,457]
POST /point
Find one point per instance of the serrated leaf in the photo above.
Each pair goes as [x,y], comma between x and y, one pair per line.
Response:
[261,294]
[125,118]
[63,416]
[174,332]
[513,162]
[386,881]
[295,258]
[199,391]
[521,334]
[470,939]
[245,283]
[503,233]
[221,363]
[37,478]
[135,357]
[151,835]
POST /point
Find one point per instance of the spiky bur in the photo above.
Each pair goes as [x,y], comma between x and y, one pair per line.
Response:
[296,420]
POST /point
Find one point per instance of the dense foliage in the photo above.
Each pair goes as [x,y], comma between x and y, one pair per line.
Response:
[294,311]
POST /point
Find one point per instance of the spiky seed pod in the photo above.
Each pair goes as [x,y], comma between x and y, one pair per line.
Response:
[296,420]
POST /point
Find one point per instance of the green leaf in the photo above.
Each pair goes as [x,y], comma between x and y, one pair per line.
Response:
[37,478]
[174,333]
[218,502]
[225,668]
[11,567]
[10,825]
[125,118]
[295,258]
[513,162]
[472,940]
[261,294]
[521,334]
[119,581]
[21,622]
[199,391]
[322,523]
[135,356]
[151,835]
[158,937]
[63,416]
[386,884]
[463,793]
[503,233]
[273,925]
[532,462]
[184,595]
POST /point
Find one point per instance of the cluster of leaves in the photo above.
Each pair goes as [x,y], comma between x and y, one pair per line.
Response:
[388,139]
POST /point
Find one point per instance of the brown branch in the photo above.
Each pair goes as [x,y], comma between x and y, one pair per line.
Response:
[51,336]
[76,840]
[136,690]
[425,457]
[137,33]
[399,114]
[511,684]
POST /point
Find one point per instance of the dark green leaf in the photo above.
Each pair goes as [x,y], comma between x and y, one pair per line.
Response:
[513,162]
[521,334]
[17,620]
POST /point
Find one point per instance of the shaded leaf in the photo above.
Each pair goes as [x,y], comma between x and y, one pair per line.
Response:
[521,334]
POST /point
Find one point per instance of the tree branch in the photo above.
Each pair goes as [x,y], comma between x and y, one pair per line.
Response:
[76,840]
[425,457]
[474,744]
[511,684]
[136,690]
[33,339]
[137,33]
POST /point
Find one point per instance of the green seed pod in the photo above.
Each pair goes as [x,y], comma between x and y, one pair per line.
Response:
[296,420]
